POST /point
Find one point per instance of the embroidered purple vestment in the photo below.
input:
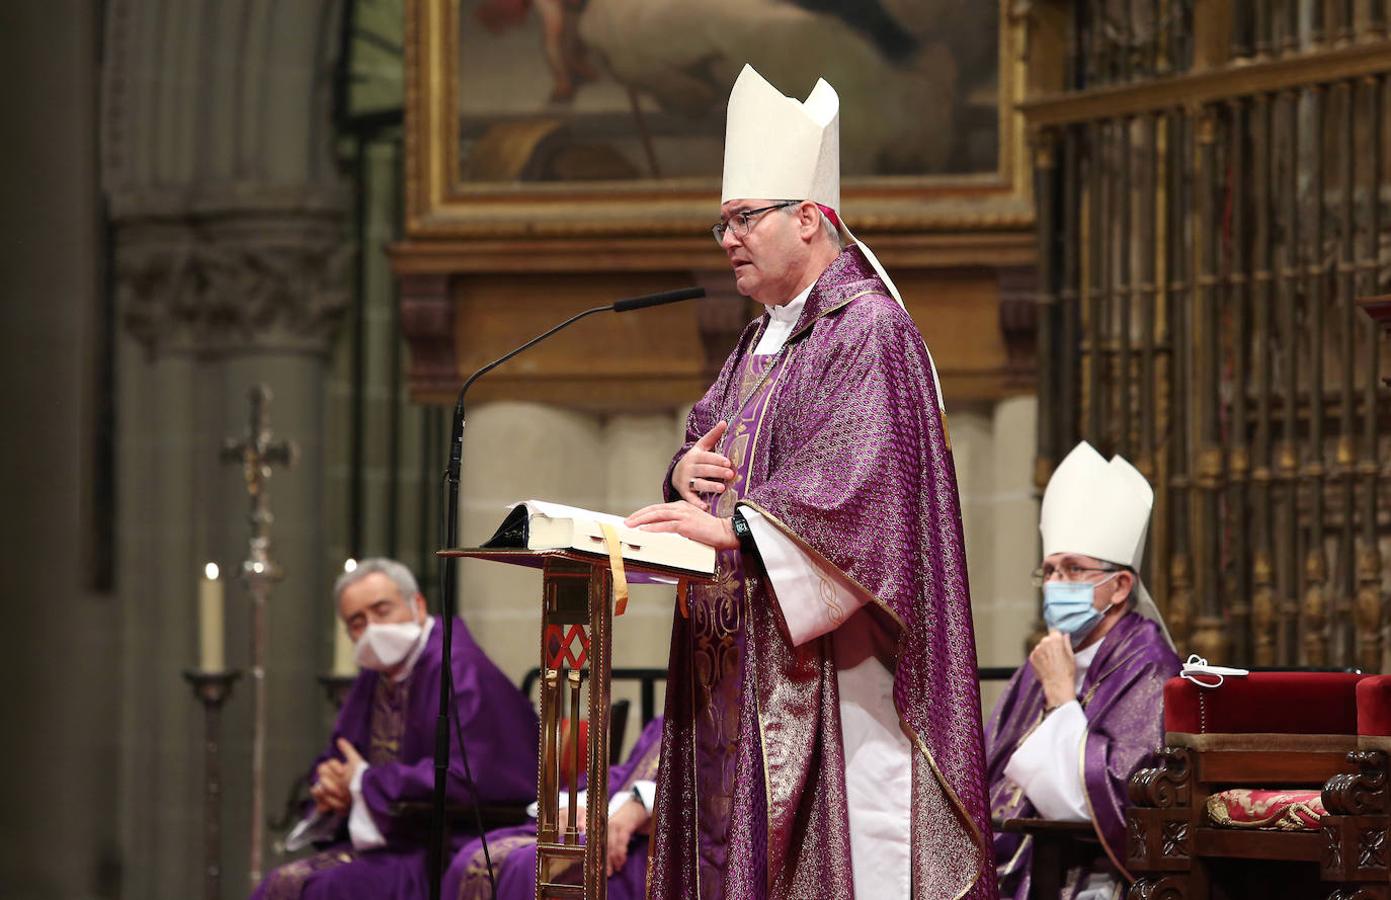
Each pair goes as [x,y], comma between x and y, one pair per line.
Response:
[839,443]
[1123,697]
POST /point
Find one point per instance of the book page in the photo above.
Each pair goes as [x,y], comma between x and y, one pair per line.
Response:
[561,511]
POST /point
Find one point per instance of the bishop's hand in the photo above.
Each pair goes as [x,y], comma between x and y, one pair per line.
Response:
[687,520]
[623,824]
[330,790]
[702,470]
[1055,668]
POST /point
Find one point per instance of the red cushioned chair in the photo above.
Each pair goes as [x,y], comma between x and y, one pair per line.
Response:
[1283,734]
[1357,829]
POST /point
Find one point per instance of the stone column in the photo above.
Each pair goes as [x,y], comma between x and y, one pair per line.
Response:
[215,301]
[993,448]
[1014,539]
[232,267]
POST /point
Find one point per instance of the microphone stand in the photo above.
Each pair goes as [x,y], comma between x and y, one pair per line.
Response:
[449,604]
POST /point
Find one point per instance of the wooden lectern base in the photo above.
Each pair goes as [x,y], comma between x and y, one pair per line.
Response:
[576,632]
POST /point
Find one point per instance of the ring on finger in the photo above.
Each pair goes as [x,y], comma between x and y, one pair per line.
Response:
[692,484]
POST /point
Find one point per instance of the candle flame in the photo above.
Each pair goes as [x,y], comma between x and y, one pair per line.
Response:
[349,564]
[211,571]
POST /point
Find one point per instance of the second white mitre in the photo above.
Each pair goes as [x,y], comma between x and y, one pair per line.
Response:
[1097,508]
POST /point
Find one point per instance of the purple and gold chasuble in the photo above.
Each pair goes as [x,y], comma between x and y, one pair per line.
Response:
[513,850]
[1123,697]
[392,724]
[838,442]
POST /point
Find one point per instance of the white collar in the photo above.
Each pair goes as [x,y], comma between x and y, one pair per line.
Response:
[409,665]
[792,309]
[1083,660]
[780,322]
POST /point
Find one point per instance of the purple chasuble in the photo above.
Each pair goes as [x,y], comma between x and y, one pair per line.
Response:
[393,726]
[1123,697]
[839,443]
[513,850]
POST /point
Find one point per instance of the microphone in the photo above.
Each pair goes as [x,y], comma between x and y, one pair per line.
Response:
[676,296]
[448,604]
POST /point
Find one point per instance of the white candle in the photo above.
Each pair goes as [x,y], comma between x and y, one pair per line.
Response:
[344,656]
[344,660]
[211,628]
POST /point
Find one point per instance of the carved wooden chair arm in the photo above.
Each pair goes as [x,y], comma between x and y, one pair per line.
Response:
[1166,785]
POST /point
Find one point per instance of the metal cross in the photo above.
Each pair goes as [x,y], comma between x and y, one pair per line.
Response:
[257,452]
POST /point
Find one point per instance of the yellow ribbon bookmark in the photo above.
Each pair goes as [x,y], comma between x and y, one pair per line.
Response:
[620,579]
[682,586]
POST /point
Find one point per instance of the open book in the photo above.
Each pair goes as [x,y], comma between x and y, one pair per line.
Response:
[538,525]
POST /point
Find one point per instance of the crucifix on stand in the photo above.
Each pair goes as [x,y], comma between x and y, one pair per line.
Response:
[257,452]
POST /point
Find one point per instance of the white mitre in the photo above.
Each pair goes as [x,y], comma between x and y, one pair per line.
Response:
[1096,508]
[1101,509]
[779,148]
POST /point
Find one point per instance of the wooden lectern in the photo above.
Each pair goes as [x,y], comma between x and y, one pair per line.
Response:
[576,629]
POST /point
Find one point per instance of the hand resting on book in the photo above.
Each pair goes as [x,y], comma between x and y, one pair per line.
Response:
[687,520]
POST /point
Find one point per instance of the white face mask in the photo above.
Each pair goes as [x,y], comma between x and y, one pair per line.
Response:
[385,646]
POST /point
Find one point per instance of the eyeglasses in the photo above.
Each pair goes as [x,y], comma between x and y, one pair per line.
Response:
[742,222]
[1068,572]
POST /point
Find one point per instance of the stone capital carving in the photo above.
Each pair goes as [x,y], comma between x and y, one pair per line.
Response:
[228,280]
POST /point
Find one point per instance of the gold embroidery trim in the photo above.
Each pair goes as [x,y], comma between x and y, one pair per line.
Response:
[841,305]
[1285,819]
[1091,811]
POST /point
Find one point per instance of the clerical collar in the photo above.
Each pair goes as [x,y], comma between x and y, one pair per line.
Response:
[780,322]
[409,665]
[1083,660]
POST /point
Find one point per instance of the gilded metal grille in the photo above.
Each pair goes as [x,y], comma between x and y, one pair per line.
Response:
[1205,228]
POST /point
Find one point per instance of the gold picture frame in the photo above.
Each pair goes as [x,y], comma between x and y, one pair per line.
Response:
[647,224]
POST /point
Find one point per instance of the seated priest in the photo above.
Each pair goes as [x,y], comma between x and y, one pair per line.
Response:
[632,788]
[1087,710]
[372,785]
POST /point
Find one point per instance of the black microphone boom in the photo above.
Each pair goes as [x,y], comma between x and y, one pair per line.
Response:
[690,293]
[448,605]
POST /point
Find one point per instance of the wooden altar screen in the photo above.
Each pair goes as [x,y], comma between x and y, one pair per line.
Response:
[1209,179]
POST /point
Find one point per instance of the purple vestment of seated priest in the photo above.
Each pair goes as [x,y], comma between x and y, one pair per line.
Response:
[392,725]
[513,850]
[838,442]
[1122,696]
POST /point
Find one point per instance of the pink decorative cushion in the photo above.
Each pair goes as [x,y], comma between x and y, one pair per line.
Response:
[1296,810]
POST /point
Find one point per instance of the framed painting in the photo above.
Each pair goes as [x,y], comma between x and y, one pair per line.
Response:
[553,121]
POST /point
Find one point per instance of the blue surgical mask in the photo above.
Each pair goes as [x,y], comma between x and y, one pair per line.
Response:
[1067,607]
